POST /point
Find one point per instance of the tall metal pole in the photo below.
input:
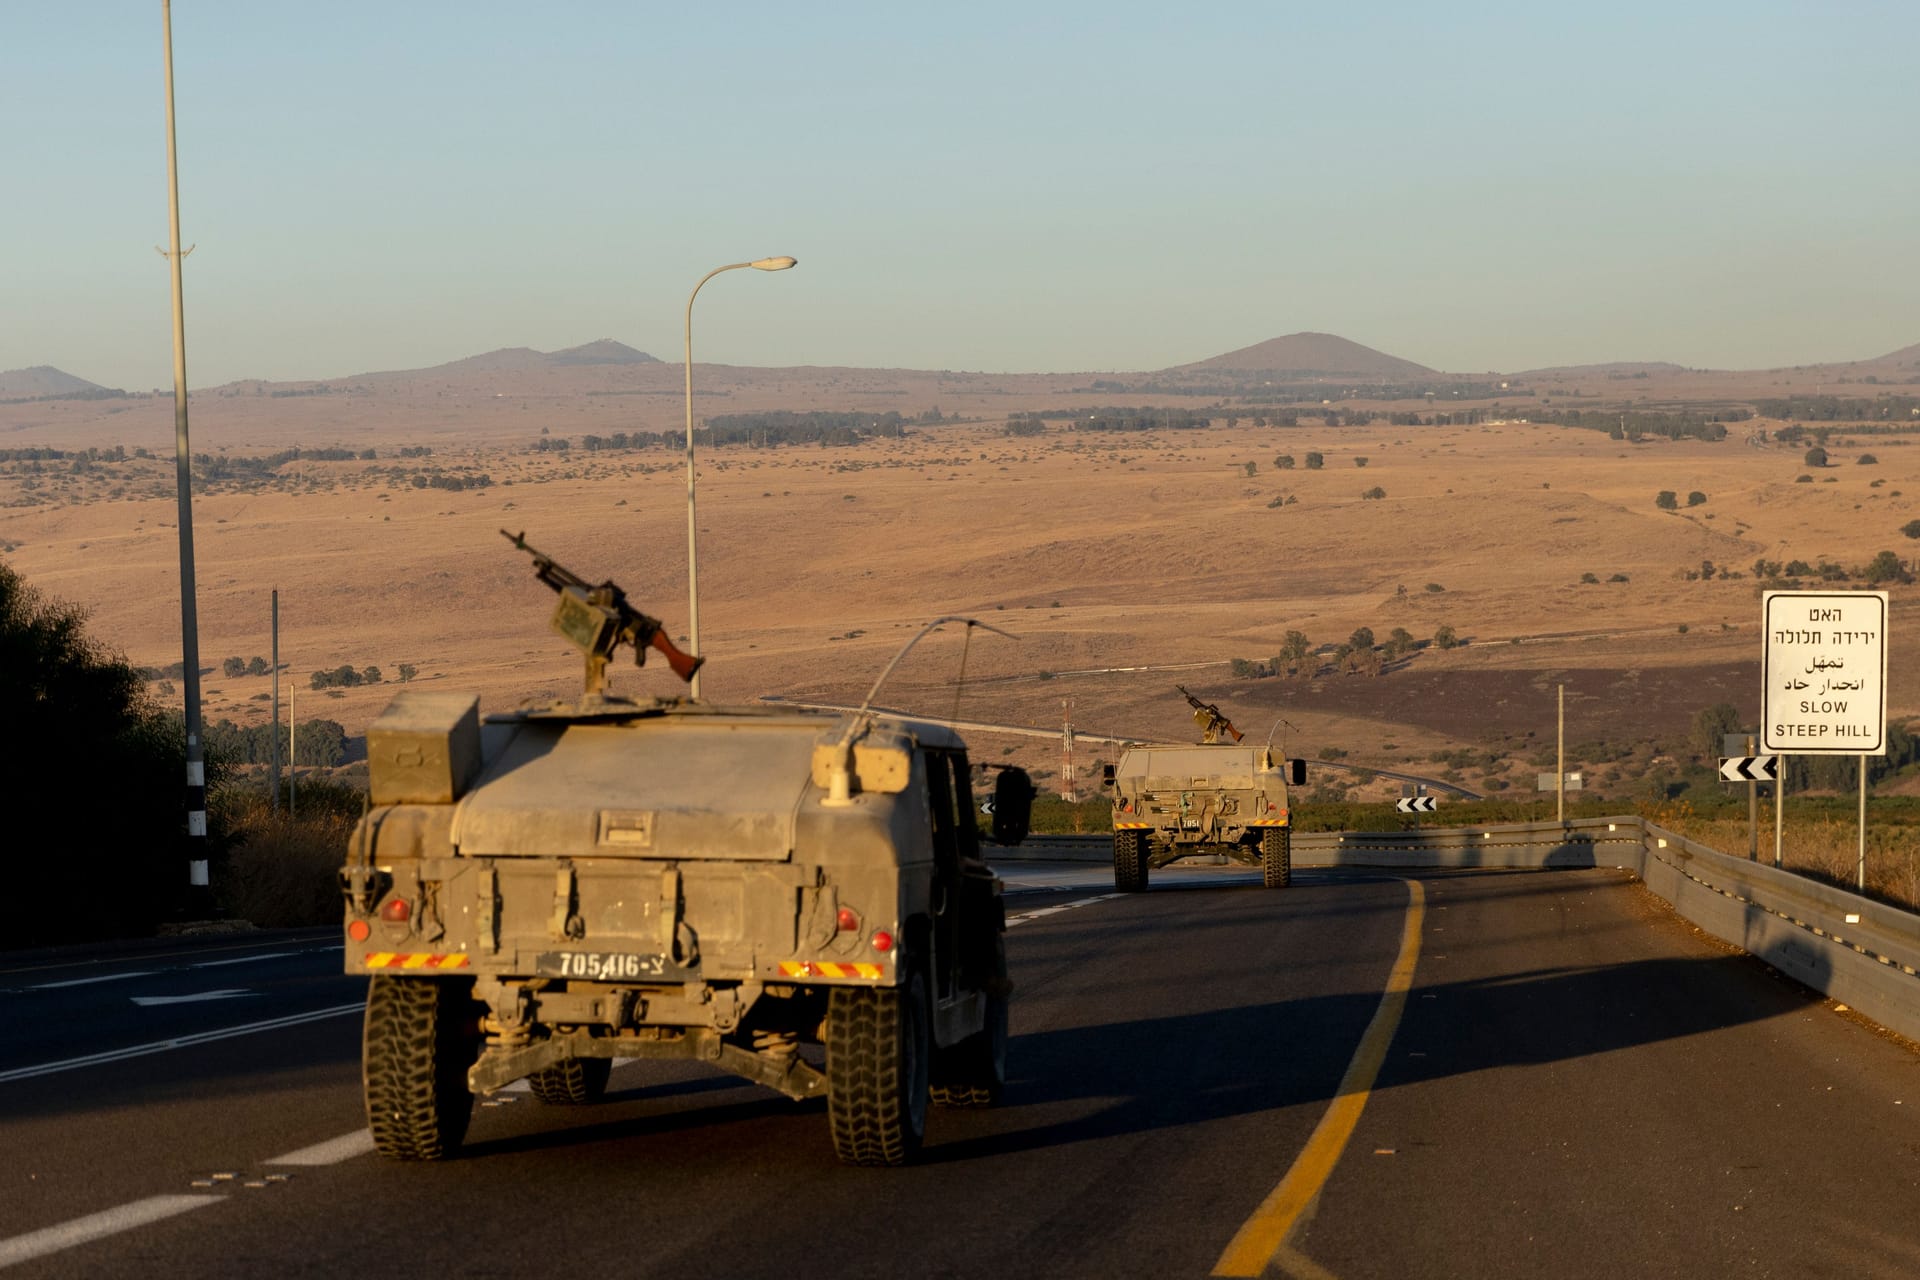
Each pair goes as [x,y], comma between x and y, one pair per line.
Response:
[183,472]
[1862,884]
[273,736]
[1560,759]
[1753,811]
[693,529]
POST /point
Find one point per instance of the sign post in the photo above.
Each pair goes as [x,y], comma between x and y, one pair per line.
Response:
[1824,680]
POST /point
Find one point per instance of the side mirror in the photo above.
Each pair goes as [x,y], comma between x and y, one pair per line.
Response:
[1106,775]
[1297,772]
[1012,806]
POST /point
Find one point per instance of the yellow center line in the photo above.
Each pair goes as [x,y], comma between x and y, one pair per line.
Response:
[1262,1236]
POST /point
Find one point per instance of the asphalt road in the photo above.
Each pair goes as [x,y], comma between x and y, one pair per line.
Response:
[1544,1075]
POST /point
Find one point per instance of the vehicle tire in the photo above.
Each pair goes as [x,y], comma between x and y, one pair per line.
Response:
[1130,861]
[1276,857]
[573,1083]
[878,1050]
[973,1073]
[420,1036]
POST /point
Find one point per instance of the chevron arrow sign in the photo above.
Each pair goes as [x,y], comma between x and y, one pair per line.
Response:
[1750,769]
[1416,804]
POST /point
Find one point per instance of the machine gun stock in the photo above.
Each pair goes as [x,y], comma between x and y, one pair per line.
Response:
[597,619]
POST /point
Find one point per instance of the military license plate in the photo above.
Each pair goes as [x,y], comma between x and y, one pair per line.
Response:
[602,966]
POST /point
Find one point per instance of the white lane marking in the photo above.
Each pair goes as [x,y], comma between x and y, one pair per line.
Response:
[332,1151]
[96,1226]
[87,982]
[271,955]
[227,993]
[178,1042]
[1025,916]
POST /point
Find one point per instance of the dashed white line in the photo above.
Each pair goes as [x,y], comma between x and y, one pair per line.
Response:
[178,1042]
[1025,916]
[271,955]
[87,982]
[95,1226]
[332,1151]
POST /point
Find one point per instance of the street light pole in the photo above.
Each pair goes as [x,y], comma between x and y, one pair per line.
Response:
[693,533]
[183,469]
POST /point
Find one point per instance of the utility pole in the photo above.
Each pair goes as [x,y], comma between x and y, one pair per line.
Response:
[1066,750]
[183,470]
[273,736]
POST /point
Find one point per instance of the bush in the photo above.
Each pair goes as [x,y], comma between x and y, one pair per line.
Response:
[1695,498]
[1284,462]
[1866,460]
[1359,462]
[1375,492]
[1816,457]
[281,873]
[1666,500]
[1315,461]
[1445,638]
[1911,528]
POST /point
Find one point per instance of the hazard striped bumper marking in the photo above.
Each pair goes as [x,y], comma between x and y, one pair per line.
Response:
[416,960]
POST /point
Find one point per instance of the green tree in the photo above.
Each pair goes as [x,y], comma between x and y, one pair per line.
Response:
[1359,461]
[233,667]
[1886,567]
[1362,638]
[1253,468]
[257,666]
[79,727]
[1315,461]
[1911,528]
[1374,493]
[1710,724]
[1666,500]
[1399,641]
[1816,457]
[407,672]
[1444,637]
[1285,463]
[1294,651]
[1695,498]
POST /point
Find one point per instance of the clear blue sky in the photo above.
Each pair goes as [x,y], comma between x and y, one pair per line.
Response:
[1031,186]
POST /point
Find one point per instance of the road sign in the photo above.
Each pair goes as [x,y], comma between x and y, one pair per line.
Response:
[1824,676]
[1550,782]
[1750,769]
[1417,804]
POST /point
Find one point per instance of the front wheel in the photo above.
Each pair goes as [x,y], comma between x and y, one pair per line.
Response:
[420,1036]
[878,1046]
[1276,857]
[1130,861]
[973,1073]
[573,1083]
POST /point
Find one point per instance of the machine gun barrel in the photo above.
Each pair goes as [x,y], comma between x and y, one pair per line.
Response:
[1210,718]
[598,619]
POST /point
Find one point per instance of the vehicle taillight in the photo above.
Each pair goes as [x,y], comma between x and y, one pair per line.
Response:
[396,910]
[358,930]
[882,941]
[847,919]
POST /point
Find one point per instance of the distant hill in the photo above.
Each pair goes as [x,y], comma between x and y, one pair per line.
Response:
[603,351]
[1905,355]
[1300,355]
[44,382]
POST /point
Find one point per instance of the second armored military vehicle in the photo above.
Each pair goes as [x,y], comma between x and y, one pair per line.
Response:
[795,897]
[1171,802]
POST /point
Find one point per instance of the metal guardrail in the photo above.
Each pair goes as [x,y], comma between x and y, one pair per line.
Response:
[1865,954]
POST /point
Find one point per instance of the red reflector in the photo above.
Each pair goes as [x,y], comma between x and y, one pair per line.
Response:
[358,930]
[847,919]
[396,910]
[882,941]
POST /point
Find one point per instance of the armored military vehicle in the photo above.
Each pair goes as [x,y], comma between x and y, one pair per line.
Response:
[1220,797]
[796,897]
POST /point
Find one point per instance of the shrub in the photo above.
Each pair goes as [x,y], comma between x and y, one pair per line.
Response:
[1434,588]
[1590,578]
[1359,462]
[1666,500]
[1911,528]
[1375,492]
[1315,461]
[1253,468]
[1695,498]
[1284,462]
[1444,637]
[1816,457]
[1866,460]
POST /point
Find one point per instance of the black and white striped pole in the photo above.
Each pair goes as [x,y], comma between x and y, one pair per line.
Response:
[197,880]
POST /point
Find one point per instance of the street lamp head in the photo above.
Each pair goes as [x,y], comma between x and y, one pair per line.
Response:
[772,264]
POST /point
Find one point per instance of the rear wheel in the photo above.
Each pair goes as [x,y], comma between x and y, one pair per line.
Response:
[420,1036]
[878,1046]
[572,1083]
[1276,857]
[1130,861]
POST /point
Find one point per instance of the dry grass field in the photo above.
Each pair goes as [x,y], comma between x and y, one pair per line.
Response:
[1123,562]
